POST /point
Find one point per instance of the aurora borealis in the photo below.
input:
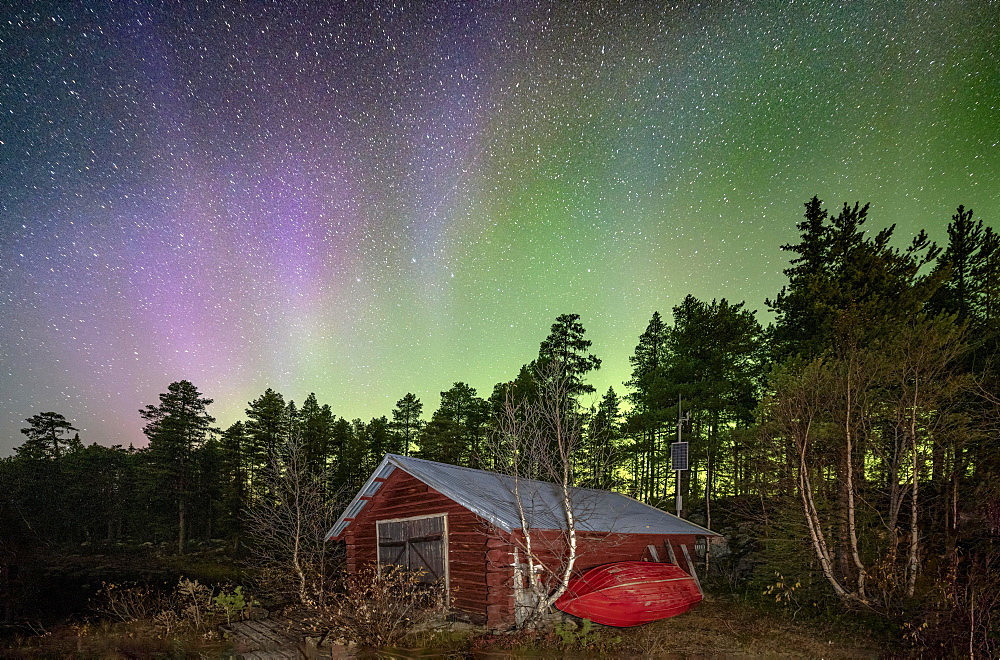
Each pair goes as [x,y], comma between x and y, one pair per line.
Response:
[365,199]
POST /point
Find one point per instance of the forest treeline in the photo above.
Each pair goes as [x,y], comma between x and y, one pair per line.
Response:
[848,449]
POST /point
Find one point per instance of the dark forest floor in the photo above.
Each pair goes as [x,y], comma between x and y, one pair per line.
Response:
[720,628]
[716,628]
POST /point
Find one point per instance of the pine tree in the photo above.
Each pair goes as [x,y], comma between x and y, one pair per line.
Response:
[348,451]
[316,430]
[958,294]
[176,428]
[521,390]
[986,273]
[566,346]
[380,441]
[457,428]
[234,443]
[844,286]
[266,428]
[971,264]
[209,511]
[600,451]
[292,424]
[509,398]
[715,360]
[406,422]
[39,482]
[652,403]
[648,361]
[800,324]
[93,486]
[45,435]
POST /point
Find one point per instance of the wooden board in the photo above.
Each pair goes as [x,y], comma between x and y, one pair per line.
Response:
[402,496]
[416,544]
[265,639]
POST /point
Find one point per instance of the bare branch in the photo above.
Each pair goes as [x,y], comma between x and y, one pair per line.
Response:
[285,531]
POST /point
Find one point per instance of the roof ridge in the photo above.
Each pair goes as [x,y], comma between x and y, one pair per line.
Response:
[500,474]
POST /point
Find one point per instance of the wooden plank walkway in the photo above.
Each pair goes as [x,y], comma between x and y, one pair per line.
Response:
[275,654]
[265,639]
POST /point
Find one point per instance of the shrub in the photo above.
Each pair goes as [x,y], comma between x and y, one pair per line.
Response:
[195,600]
[130,603]
[379,607]
[190,605]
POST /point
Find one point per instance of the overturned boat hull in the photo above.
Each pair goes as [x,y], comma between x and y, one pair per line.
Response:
[630,593]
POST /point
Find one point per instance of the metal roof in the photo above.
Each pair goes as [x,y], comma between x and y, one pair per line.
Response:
[491,496]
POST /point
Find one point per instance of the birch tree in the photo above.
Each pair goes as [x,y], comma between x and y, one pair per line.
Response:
[285,531]
[885,404]
[538,439]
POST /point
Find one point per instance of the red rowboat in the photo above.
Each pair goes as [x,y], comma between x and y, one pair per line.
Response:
[630,593]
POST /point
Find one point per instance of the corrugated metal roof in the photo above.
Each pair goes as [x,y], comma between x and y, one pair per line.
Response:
[491,496]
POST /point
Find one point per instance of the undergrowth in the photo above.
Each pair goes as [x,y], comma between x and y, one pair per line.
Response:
[380,606]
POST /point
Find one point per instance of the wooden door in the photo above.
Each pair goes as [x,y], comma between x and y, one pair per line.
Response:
[416,544]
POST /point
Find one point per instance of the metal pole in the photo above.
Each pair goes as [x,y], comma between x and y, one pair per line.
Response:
[677,497]
[677,494]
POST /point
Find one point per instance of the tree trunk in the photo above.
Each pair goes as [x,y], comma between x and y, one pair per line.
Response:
[709,468]
[181,523]
[685,490]
[913,562]
[813,522]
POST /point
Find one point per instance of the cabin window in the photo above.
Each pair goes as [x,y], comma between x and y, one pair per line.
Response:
[416,544]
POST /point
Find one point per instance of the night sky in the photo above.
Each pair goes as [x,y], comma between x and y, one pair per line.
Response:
[365,199]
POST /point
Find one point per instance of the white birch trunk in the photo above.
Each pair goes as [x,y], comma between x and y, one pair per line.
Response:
[913,559]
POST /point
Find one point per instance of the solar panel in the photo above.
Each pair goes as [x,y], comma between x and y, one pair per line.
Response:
[679,456]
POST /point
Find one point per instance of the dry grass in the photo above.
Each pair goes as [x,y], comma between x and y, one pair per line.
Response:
[723,629]
[714,629]
[137,639]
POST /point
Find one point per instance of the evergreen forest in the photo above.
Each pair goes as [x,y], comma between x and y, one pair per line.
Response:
[847,451]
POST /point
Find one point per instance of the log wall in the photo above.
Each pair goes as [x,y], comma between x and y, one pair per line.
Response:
[403,496]
[480,557]
[593,549]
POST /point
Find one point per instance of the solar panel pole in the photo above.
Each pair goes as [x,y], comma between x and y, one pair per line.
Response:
[678,499]
[678,496]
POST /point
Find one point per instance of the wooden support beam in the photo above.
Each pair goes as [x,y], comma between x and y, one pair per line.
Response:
[670,551]
[691,568]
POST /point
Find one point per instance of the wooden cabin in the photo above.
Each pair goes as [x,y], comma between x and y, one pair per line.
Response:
[463,526]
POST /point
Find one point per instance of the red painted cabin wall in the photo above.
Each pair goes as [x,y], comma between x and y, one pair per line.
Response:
[593,549]
[480,557]
[403,496]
